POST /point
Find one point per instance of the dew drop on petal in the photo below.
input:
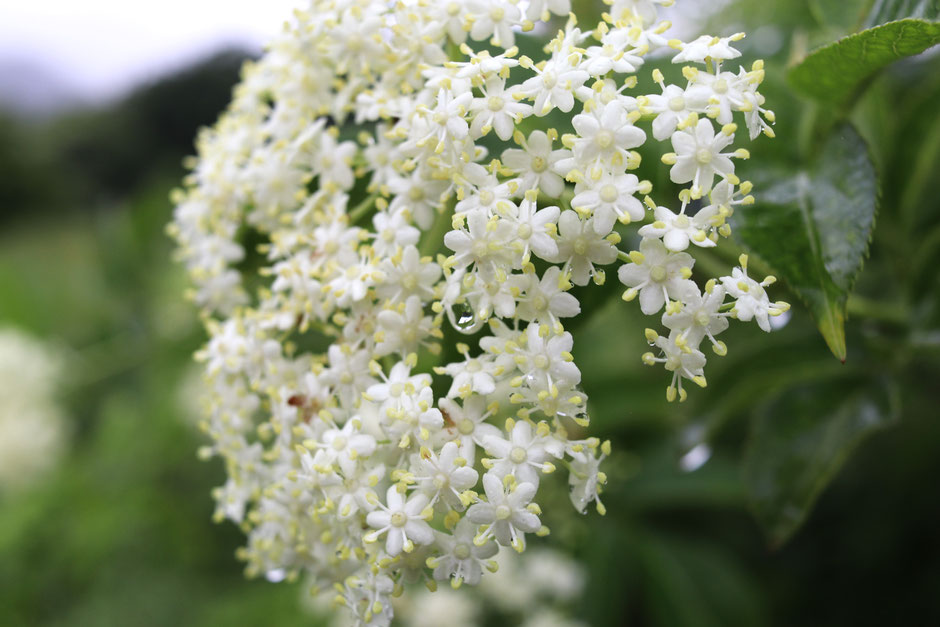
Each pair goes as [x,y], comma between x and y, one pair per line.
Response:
[464,318]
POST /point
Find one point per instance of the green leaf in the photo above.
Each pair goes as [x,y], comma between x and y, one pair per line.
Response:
[813,228]
[833,74]
[693,584]
[802,438]
[890,10]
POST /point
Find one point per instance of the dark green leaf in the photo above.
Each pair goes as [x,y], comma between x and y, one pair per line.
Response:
[833,73]
[801,439]
[890,10]
[692,584]
[813,228]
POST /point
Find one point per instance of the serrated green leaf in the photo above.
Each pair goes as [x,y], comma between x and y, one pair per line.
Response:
[801,439]
[833,73]
[813,228]
[890,10]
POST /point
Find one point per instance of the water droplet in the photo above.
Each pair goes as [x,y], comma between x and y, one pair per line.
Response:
[464,318]
[697,450]
[778,322]
[276,576]
[696,458]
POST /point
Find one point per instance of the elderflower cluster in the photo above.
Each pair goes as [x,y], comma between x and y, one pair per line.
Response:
[534,590]
[33,429]
[393,176]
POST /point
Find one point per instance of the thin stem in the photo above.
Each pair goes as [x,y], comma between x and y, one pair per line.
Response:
[363,208]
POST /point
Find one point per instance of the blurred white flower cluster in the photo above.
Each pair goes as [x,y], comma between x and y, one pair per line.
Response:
[32,424]
[407,176]
[532,591]
[536,589]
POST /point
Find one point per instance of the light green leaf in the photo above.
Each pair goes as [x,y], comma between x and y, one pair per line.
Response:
[813,228]
[833,73]
[801,439]
[890,10]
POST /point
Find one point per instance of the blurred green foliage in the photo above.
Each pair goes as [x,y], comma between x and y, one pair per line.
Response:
[120,534]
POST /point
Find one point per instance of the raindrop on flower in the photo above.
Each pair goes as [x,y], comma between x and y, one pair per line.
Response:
[464,318]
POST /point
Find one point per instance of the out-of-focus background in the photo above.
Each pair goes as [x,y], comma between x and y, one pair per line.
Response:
[105,510]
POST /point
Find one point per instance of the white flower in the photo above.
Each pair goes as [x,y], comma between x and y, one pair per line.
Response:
[497,110]
[554,85]
[524,455]
[535,163]
[417,197]
[352,283]
[460,557]
[367,596]
[581,247]
[721,92]
[444,477]
[402,520]
[446,121]
[658,275]
[416,419]
[335,161]
[586,478]
[403,329]
[610,57]
[451,17]
[392,232]
[356,490]
[677,230]
[468,423]
[540,9]
[681,360]
[506,515]
[345,446]
[645,10]
[473,375]
[397,390]
[546,362]
[316,474]
[708,47]
[494,18]
[486,193]
[674,107]
[481,64]
[611,198]
[408,274]
[699,317]
[604,136]
[531,226]
[349,371]
[698,156]
[545,300]
[483,247]
[751,300]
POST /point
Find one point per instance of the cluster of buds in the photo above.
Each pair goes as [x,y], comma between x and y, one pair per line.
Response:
[395,161]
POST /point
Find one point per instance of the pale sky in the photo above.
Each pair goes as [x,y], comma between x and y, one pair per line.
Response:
[100,48]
